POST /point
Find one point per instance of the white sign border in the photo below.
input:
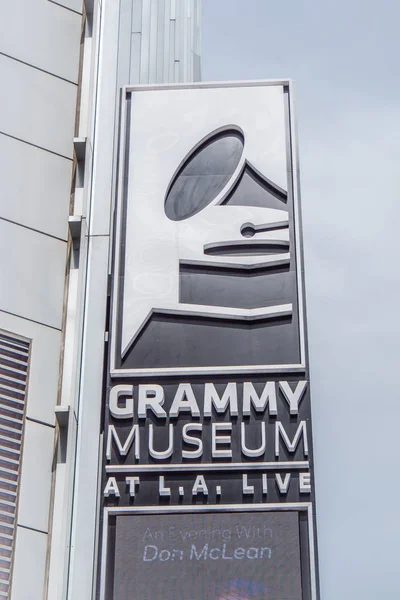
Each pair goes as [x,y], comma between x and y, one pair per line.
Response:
[210,370]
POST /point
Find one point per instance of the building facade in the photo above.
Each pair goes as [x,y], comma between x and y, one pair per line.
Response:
[40,71]
[154,370]
[62,65]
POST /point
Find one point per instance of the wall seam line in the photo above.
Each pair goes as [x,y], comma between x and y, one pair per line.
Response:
[23,62]
[14,137]
[8,312]
[66,7]
[39,422]
[32,528]
[50,235]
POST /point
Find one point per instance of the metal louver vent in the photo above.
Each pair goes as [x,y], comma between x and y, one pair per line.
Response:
[14,359]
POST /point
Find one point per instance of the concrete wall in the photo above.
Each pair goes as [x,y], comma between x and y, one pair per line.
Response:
[39,70]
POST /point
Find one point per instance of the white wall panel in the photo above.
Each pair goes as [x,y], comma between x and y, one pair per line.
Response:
[35,187]
[37,107]
[86,480]
[33,271]
[103,161]
[29,565]
[63,490]
[42,34]
[35,482]
[43,368]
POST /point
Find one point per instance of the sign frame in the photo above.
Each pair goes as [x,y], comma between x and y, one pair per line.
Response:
[299,507]
[292,158]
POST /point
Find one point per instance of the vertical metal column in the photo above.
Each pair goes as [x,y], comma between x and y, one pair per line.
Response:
[127,41]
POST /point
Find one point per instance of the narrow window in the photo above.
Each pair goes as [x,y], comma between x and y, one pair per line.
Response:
[14,362]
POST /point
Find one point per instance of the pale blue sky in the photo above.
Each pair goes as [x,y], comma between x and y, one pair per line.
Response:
[344,57]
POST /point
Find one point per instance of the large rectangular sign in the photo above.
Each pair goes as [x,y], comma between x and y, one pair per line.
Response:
[208,403]
[208,267]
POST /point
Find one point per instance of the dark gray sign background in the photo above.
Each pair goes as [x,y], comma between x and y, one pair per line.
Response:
[231,481]
[171,557]
[188,341]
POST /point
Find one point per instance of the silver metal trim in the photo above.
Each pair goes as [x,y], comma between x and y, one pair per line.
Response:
[251,466]
[207,84]
[311,545]
[297,218]
[220,370]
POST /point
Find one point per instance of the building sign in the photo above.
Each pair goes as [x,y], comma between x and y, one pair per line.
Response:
[207,421]
[197,556]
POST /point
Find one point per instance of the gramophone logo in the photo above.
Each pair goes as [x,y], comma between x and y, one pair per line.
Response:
[207,218]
